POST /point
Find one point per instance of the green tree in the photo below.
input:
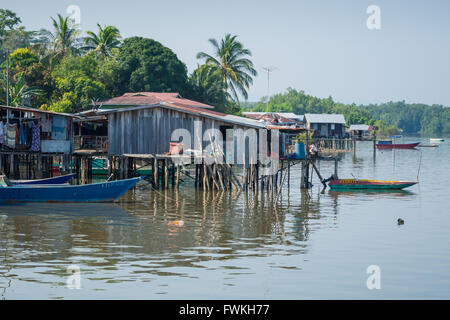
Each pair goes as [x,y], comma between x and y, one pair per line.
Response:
[20,93]
[22,58]
[231,61]
[8,20]
[206,86]
[146,65]
[101,43]
[76,80]
[64,36]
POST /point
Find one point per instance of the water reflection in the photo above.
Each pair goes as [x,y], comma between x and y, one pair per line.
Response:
[148,233]
[215,244]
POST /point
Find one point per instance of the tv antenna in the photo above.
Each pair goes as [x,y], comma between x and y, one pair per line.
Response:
[268,70]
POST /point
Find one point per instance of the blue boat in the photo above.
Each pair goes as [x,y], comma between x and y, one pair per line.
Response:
[53,180]
[95,192]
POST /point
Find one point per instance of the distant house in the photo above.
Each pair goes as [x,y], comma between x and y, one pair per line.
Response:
[326,125]
[360,131]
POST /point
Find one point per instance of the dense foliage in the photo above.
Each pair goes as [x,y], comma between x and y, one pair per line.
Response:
[67,72]
[300,103]
[146,65]
[413,118]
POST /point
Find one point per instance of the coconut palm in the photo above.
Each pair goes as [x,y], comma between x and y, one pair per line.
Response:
[64,36]
[106,39]
[207,86]
[231,61]
[19,93]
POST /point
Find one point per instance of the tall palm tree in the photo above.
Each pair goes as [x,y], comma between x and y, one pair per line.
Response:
[19,93]
[64,36]
[231,61]
[208,86]
[103,41]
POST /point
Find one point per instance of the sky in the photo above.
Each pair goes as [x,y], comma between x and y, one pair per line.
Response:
[322,47]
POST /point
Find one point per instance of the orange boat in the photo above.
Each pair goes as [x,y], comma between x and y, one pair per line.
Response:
[354,184]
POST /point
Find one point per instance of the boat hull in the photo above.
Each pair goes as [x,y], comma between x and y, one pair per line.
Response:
[96,192]
[354,184]
[54,180]
[397,146]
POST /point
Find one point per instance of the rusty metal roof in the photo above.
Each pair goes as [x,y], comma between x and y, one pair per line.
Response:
[149,98]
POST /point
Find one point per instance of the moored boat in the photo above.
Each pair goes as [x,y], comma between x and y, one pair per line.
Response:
[53,180]
[95,192]
[356,184]
[386,145]
[436,140]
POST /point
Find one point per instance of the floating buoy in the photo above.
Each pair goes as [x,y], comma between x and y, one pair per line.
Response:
[177,223]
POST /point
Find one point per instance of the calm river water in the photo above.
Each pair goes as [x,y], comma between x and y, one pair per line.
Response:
[233,246]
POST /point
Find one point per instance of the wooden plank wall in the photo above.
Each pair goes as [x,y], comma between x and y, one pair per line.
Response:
[148,131]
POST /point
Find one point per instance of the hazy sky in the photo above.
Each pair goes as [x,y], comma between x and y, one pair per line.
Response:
[322,47]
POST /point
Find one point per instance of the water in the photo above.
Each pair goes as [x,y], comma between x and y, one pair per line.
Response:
[194,245]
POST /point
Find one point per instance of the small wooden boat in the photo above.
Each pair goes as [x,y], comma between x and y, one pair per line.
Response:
[95,192]
[53,180]
[388,145]
[436,140]
[356,184]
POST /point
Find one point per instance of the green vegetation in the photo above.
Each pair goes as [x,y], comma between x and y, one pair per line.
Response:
[423,119]
[103,42]
[232,65]
[389,118]
[146,65]
[64,70]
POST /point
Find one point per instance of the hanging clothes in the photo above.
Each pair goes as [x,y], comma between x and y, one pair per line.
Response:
[11,135]
[21,135]
[2,133]
[17,128]
[36,136]
[28,134]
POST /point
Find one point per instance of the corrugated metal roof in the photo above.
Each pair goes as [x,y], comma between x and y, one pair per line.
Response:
[362,127]
[288,115]
[324,118]
[28,109]
[149,98]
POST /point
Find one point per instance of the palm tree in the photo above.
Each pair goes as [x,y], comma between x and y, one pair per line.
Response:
[20,92]
[232,63]
[103,41]
[207,86]
[64,36]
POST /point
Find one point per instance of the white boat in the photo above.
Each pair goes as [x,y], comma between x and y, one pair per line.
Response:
[436,140]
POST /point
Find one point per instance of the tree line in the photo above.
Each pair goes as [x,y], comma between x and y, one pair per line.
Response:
[64,70]
[390,118]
